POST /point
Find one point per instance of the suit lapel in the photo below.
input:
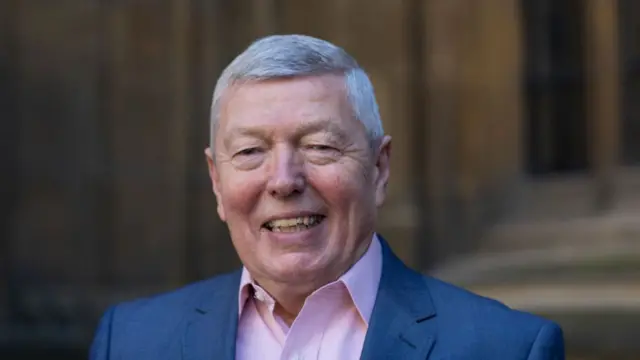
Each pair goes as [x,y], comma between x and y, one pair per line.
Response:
[211,329]
[400,325]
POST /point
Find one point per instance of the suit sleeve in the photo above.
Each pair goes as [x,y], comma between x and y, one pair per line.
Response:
[101,345]
[549,344]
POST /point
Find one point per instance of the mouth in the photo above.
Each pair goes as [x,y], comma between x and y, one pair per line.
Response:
[294,224]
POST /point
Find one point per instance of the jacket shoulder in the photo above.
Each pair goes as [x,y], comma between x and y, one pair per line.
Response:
[176,301]
[487,325]
[452,300]
[150,328]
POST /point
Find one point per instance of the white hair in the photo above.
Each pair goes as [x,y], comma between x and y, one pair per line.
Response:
[289,56]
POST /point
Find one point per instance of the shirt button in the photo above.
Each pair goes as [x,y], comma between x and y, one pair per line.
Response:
[258,296]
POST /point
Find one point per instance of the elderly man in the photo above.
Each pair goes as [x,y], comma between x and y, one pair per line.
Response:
[299,165]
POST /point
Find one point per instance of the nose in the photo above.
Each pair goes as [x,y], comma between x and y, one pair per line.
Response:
[286,176]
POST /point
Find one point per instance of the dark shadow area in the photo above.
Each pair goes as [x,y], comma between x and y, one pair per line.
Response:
[37,354]
[555,119]
[630,67]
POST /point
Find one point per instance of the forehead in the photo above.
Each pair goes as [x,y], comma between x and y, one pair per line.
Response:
[312,102]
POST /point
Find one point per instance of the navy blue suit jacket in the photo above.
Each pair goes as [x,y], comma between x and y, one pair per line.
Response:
[414,317]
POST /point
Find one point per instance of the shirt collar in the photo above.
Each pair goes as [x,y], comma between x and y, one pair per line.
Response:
[363,278]
[361,281]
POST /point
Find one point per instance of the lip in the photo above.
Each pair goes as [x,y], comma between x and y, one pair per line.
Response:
[290,215]
[301,238]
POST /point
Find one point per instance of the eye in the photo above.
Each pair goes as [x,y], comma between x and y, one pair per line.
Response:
[248,151]
[248,158]
[321,148]
[321,154]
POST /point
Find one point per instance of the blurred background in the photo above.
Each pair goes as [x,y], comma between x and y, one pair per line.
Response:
[515,165]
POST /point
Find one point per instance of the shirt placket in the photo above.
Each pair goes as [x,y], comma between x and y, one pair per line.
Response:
[304,339]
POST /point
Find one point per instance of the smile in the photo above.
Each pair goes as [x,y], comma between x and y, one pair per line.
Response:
[299,223]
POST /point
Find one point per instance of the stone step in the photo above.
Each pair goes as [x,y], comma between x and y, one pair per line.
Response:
[556,257]
[567,298]
[550,265]
[566,197]
[613,230]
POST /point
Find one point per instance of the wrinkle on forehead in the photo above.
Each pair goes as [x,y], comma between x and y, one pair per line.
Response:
[327,126]
[319,106]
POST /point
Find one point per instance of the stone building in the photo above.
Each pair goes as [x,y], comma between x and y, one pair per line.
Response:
[515,126]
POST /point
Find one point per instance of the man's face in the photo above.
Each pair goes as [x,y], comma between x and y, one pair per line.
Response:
[296,179]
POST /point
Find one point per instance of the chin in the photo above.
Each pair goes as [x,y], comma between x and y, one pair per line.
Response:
[296,270]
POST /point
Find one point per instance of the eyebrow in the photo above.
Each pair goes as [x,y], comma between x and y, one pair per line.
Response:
[310,127]
[245,131]
[322,125]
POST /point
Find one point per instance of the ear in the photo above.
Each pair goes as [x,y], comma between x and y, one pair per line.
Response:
[382,170]
[215,182]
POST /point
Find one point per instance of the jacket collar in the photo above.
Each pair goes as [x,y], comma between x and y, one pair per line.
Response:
[400,326]
[212,326]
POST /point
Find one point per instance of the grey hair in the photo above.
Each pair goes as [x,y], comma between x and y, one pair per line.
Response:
[288,56]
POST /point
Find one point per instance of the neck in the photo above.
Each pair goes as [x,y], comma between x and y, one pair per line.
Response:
[290,298]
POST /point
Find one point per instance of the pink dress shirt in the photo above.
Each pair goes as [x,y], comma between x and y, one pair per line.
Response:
[331,325]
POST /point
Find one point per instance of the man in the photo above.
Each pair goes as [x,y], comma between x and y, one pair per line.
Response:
[299,165]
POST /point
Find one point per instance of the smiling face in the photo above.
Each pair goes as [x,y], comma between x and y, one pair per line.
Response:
[296,179]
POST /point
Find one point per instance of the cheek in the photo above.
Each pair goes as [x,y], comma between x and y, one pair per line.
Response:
[341,188]
[240,195]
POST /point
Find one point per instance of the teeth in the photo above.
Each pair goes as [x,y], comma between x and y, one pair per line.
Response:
[293,224]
